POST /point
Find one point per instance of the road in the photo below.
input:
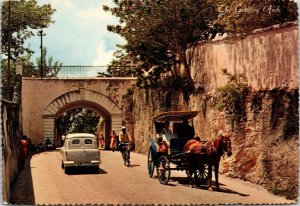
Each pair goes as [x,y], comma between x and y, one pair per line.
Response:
[44,182]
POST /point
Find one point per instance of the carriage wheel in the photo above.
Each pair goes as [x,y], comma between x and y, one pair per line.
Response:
[163,169]
[202,173]
[150,163]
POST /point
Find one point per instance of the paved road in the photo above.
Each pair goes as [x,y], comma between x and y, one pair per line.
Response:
[44,182]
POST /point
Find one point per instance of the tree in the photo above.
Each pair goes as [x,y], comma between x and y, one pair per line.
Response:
[25,16]
[9,83]
[51,67]
[122,65]
[78,120]
[158,33]
[19,19]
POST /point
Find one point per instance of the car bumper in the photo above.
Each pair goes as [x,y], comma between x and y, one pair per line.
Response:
[92,163]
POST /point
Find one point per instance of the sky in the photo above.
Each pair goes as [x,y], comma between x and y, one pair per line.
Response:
[79,36]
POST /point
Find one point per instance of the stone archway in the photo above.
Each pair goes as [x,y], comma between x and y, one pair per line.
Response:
[81,98]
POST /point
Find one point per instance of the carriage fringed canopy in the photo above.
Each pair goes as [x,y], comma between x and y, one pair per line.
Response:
[175,116]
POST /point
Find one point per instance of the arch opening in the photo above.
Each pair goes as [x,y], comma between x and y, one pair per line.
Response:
[84,117]
[104,110]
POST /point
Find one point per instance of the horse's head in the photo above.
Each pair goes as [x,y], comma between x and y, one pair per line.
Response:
[226,145]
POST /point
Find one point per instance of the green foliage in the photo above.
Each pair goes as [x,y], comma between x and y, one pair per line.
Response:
[243,16]
[26,16]
[290,191]
[129,93]
[256,103]
[121,66]
[158,34]
[231,97]
[78,120]
[284,105]
[51,67]
[8,77]
[291,127]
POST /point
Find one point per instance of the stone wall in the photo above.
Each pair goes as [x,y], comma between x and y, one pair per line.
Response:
[268,59]
[265,141]
[11,134]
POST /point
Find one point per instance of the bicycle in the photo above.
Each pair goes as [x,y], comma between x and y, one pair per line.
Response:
[126,153]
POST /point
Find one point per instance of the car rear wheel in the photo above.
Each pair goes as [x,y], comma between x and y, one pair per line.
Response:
[67,170]
[96,169]
[62,165]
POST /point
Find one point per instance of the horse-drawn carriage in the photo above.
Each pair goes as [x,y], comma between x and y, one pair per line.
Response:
[175,140]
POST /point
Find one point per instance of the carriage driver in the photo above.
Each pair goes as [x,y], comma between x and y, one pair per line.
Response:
[124,137]
[186,130]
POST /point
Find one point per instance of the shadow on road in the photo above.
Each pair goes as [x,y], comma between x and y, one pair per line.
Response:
[185,182]
[134,165]
[22,192]
[85,171]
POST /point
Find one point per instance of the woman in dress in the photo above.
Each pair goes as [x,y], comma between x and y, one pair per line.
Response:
[101,141]
[113,140]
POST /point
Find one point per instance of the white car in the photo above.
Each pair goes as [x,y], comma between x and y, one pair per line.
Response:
[80,150]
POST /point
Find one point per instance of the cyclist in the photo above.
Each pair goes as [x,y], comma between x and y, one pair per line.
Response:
[124,137]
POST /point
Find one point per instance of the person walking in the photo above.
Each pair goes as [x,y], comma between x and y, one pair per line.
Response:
[113,140]
[102,141]
[24,146]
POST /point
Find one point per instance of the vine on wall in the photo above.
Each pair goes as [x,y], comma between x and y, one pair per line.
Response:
[232,98]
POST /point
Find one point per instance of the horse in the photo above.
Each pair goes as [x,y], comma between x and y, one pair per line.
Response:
[193,149]
[196,151]
[221,146]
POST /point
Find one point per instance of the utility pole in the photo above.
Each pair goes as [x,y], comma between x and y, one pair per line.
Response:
[41,34]
[9,52]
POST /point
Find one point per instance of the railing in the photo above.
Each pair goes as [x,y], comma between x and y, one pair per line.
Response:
[81,71]
[70,71]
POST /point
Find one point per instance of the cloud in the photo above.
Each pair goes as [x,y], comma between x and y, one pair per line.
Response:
[89,13]
[58,4]
[97,14]
[103,56]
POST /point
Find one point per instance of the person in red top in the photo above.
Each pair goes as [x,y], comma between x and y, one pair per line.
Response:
[113,140]
[163,147]
[101,141]
[24,145]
